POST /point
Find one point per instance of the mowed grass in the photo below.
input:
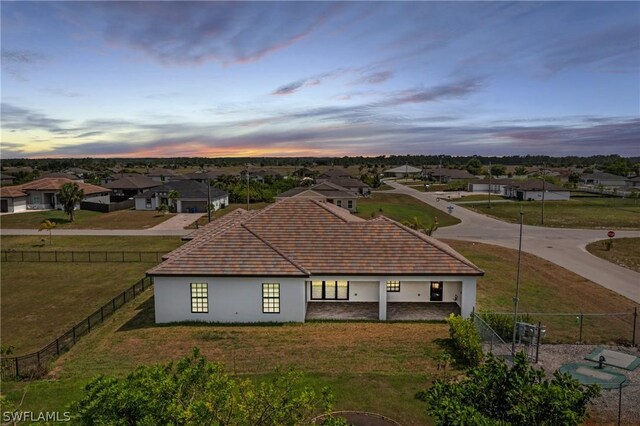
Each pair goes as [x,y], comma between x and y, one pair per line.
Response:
[368,366]
[401,208]
[584,212]
[624,252]
[84,219]
[546,287]
[480,197]
[40,301]
[88,242]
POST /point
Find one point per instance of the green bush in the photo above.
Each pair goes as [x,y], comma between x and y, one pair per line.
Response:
[502,324]
[466,340]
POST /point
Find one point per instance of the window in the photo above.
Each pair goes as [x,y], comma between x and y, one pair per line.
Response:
[329,290]
[436,291]
[339,203]
[270,298]
[199,297]
[393,286]
[147,203]
[350,204]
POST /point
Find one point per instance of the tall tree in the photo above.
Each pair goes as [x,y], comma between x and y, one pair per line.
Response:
[173,198]
[70,195]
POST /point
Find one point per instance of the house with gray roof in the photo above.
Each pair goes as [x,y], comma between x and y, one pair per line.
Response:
[192,197]
[325,191]
[604,179]
[301,259]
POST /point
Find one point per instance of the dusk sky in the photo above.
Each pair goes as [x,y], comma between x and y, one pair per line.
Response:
[156,79]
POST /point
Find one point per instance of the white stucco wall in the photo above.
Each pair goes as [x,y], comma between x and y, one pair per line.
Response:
[19,204]
[359,291]
[467,296]
[98,198]
[410,291]
[548,196]
[141,203]
[451,290]
[230,299]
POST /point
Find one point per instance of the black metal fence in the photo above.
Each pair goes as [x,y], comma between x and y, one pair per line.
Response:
[80,256]
[34,365]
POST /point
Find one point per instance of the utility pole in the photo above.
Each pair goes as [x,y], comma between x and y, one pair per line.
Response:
[209,199]
[247,186]
[544,170]
[406,172]
[490,184]
[516,299]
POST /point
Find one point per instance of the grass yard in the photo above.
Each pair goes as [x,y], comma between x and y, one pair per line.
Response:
[480,197]
[546,287]
[88,242]
[85,219]
[369,366]
[600,213]
[624,252]
[402,208]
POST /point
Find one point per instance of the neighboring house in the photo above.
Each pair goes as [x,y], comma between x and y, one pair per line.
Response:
[6,179]
[497,185]
[325,191]
[12,200]
[206,175]
[298,256]
[604,179]
[403,171]
[130,186]
[446,175]
[260,174]
[303,172]
[344,180]
[116,176]
[77,171]
[164,175]
[633,182]
[192,197]
[61,175]
[42,194]
[532,190]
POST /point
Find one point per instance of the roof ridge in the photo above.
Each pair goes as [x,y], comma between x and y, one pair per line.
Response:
[274,248]
[434,242]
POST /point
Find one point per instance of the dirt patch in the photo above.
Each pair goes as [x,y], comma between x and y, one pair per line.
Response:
[605,407]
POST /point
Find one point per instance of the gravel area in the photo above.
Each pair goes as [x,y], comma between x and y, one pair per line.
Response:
[605,408]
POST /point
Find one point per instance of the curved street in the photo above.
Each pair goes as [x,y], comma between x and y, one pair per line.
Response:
[564,247]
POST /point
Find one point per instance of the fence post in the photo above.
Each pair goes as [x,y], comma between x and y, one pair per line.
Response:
[620,406]
[73,259]
[142,281]
[89,256]
[17,367]
[538,341]
[635,321]
[39,256]
[74,334]
[122,257]
[581,320]
[38,357]
[113,304]
[89,324]
[101,313]
[22,254]
[56,255]
[58,346]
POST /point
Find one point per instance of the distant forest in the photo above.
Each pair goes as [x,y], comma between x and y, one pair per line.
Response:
[595,162]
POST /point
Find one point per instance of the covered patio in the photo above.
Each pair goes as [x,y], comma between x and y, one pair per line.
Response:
[396,311]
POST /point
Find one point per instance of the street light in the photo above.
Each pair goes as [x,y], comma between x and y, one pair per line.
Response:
[247,186]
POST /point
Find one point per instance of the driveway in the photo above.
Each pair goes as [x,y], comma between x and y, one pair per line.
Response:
[178,222]
[564,247]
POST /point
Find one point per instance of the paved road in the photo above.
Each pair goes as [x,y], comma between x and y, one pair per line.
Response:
[564,247]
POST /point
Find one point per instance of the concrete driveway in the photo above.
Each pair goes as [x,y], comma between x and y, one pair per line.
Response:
[564,247]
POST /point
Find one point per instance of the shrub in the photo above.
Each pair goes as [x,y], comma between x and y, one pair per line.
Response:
[466,340]
[494,394]
[502,324]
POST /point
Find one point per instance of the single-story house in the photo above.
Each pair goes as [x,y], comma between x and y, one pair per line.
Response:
[299,256]
[403,171]
[131,185]
[604,179]
[325,191]
[164,175]
[497,185]
[206,175]
[61,175]
[42,194]
[333,173]
[6,179]
[261,174]
[192,197]
[532,190]
[633,182]
[446,175]
[12,200]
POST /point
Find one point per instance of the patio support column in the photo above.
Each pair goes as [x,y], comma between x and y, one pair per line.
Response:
[382,301]
[468,296]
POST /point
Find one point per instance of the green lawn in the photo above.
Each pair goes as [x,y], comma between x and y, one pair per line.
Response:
[546,287]
[122,219]
[480,197]
[402,208]
[41,300]
[600,213]
[88,242]
[624,252]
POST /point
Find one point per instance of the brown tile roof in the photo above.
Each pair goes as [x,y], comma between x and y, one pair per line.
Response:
[54,184]
[11,192]
[301,237]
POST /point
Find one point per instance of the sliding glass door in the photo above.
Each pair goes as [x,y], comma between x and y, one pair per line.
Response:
[329,290]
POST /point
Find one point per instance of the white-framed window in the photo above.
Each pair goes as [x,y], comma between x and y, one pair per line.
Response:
[270,298]
[350,204]
[199,298]
[147,203]
[393,286]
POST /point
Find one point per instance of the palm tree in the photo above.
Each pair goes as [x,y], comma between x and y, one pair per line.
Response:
[70,195]
[417,224]
[47,225]
[173,196]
